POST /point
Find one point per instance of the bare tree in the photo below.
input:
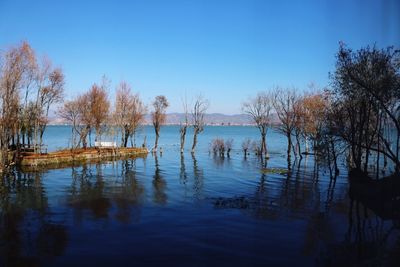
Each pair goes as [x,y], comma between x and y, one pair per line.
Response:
[85,123]
[122,110]
[138,111]
[299,112]
[246,144]
[184,125]
[199,109]
[284,102]
[87,111]
[42,80]
[218,146]
[158,116]
[229,146]
[99,106]
[259,109]
[49,94]
[70,112]
[129,112]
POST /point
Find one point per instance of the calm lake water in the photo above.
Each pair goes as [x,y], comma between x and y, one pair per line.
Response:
[197,210]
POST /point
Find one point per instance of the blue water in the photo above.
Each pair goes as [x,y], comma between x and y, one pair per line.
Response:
[195,210]
[58,137]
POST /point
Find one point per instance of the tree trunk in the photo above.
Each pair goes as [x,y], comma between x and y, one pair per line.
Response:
[334,158]
[73,137]
[23,139]
[3,149]
[306,145]
[84,142]
[125,137]
[85,132]
[264,151]
[126,141]
[298,146]
[41,132]
[195,132]
[122,139]
[90,138]
[366,160]
[183,136]
[329,162]
[289,148]
[156,141]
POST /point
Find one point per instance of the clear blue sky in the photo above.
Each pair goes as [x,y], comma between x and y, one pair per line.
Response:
[226,50]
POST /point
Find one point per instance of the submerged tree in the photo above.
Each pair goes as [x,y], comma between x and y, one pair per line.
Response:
[284,102]
[259,109]
[198,122]
[314,107]
[246,145]
[184,125]
[158,116]
[218,146]
[366,93]
[229,146]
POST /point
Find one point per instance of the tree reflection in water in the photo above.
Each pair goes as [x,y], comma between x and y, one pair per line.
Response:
[129,195]
[193,182]
[183,176]
[87,193]
[367,242]
[198,179]
[369,239]
[159,184]
[28,235]
[94,193]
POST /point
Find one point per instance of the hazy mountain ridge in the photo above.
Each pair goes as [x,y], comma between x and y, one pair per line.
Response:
[210,119]
[177,118]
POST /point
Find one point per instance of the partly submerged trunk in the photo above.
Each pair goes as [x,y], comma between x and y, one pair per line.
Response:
[289,148]
[195,132]
[183,137]
[156,141]
[334,158]
[298,146]
[264,151]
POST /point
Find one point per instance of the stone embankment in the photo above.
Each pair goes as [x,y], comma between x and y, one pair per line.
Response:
[65,157]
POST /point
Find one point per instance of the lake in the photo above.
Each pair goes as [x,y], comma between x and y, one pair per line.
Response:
[190,210]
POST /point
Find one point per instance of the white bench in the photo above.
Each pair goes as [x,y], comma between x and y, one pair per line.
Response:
[105,144]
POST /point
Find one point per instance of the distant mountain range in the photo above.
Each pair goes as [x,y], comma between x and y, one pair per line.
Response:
[210,119]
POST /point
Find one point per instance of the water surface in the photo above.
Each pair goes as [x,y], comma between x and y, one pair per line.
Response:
[200,210]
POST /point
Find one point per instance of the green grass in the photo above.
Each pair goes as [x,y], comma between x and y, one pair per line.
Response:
[279,171]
